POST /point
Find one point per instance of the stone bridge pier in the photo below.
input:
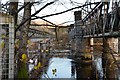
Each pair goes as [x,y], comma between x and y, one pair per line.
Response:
[109,49]
[109,57]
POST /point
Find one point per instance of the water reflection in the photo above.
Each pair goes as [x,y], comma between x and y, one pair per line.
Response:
[69,69]
[85,70]
[63,68]
[98,63]
[72,70]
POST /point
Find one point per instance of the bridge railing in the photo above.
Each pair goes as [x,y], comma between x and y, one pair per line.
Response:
[98,20]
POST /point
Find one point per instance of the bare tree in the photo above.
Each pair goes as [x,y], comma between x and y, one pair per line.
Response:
[22,65]
[13,10]
[23,27]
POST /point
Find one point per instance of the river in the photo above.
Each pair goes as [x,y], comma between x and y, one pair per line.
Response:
[63,68]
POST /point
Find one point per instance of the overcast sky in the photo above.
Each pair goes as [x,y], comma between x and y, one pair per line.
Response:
[58,6]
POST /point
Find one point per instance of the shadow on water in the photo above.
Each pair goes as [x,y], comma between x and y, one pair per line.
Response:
[85,70]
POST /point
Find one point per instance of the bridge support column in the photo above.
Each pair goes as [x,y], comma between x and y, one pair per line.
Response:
[88,44]
[73,48]
[107,58]
[118,45]
[78,33]
[84,67]
[82,52]
[91,44]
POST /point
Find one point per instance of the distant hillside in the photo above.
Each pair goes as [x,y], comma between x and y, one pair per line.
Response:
[42,26]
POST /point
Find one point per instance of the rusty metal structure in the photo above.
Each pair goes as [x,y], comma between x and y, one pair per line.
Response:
[103,19]
[99,20]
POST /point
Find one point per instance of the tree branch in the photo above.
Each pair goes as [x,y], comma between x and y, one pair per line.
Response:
[66,10]
[22,7]
[33,15]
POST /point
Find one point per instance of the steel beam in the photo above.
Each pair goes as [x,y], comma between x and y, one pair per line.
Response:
[109,34]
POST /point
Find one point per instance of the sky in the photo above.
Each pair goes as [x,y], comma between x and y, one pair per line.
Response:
[58,6]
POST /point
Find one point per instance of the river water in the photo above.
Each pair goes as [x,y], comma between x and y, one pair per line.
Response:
[63,68]
[66,69]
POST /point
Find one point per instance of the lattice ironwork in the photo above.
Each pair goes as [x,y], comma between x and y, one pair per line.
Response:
[103,18]
[7,46]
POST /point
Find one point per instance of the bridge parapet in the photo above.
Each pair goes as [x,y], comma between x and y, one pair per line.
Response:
[102,18]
